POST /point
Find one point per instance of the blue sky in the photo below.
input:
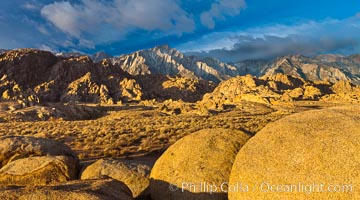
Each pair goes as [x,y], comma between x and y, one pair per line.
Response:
[231,30]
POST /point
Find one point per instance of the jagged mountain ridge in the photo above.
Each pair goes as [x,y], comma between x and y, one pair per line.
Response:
[329,67]
[169,61]
[165,60]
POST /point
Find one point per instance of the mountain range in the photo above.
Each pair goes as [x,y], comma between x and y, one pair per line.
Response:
[160,73]
[169,61]
[165,60]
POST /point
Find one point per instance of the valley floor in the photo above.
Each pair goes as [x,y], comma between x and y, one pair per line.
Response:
[139,132]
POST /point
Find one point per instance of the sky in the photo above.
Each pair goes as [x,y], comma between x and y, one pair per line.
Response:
[230,30]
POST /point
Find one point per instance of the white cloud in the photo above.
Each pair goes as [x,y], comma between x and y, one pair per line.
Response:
[118,16]
[64,16]
[219,10]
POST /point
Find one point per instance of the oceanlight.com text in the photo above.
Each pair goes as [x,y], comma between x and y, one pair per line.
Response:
[265,187]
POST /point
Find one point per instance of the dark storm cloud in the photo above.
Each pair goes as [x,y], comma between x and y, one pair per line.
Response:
[311,38]
[273,46]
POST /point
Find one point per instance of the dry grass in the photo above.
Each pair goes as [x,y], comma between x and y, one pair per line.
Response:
[138,130]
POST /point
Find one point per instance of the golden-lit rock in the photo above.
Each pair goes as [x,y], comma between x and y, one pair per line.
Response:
[134,175]
[14,147]
[238,89]
[205,156]
[311,93]
[39,170]
[130,90]
[314,147]
[95,189]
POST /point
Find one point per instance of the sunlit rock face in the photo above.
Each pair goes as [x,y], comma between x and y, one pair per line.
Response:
[323,67]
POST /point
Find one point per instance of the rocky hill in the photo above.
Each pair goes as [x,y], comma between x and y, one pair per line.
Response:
[165,60]
[279,88]
[328,67]
[31,76]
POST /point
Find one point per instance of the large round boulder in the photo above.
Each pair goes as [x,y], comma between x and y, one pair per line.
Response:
[197,166]
[96,189]
[39,170]
[309,155]
[134,175]
[15,147]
